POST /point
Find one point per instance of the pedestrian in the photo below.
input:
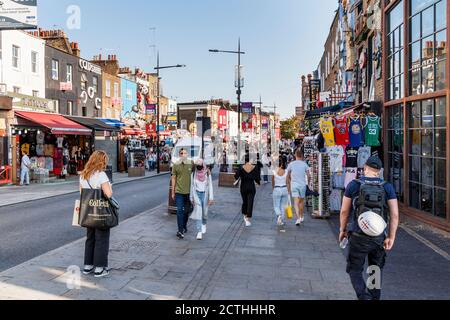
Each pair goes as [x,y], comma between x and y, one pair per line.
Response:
[266,165]
[370,193]
[296,181]
[25,168]
[201,196]
[153,161]
[280,190]
[181,182]
[97,243]
[249,175]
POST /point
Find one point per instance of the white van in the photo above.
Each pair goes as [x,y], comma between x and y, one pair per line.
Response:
[193,146]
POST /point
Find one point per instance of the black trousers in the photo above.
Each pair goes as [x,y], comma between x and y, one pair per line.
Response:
[248,198]
[362,247]
[97,248]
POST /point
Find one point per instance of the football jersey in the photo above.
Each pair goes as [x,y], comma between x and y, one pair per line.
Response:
[341,131]
[327,129]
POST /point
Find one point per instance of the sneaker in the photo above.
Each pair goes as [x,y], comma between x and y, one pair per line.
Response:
[299,222]
[101,272]
[280,221]
[200,236]
[302,219]
[248,223]
[88,270]
[180,235]
[204,229]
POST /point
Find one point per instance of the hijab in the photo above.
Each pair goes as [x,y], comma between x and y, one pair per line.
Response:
[200,175]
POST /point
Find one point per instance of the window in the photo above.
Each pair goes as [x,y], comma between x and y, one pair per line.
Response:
[95,84]
[116,90]
[55,69]
[69,73]
[16,89]
[427,156]
[16,57]
[84,111]
[84,82]
[395,51]
[108,88]
[395,136]
[70,108]
[35,93]
[129,96]
[34,62]
[428,46]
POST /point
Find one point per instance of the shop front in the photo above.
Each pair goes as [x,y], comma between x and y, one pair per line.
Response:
[416,108]
[104,137]
[57,146]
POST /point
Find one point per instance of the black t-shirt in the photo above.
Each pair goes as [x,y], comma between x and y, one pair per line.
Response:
[352,157]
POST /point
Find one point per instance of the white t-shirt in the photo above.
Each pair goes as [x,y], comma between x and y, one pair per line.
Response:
[25,162]
[336,154]
[280,181]
[200,186]
[96,181]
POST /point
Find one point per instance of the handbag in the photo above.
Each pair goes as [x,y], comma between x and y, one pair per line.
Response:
[289,210]
[76,214]
[98,211]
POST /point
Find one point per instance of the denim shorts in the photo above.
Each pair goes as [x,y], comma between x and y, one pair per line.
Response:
[298,191]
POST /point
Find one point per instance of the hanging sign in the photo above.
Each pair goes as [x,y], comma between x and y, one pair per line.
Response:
[247,107]
[150,108]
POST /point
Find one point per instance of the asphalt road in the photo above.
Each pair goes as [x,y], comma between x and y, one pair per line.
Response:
[31,229]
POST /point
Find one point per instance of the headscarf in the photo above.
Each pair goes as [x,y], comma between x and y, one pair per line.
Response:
[200,175]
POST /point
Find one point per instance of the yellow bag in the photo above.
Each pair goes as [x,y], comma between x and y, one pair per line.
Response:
[289,211]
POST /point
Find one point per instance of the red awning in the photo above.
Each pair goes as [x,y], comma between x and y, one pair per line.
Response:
[133,132]
[56,123]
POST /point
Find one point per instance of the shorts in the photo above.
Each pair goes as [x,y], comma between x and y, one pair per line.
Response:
[298,191]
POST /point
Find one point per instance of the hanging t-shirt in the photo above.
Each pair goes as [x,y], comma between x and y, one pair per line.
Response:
[338,180]
[336,200]
[336,155]
[351,156]
[327,129]
[49,150]
[364,153]
[341,131]
[49,163]
[373,131]
[25,148]
[356,132]
[377,152]
[40,150]
[59,142]
[350,175]
[40,138]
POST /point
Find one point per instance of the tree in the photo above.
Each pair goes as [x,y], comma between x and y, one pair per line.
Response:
[290,128]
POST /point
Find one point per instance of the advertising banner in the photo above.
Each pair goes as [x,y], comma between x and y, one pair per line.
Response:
[150,108]
[18,14]
[247,123]
[247,107]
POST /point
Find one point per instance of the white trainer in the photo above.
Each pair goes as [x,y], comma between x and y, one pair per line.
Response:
[280,221]
[200,236]
[248,223]
[299,222]
[204,229]
[302,219]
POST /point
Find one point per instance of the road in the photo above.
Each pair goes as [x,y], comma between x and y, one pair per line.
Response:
[31,229]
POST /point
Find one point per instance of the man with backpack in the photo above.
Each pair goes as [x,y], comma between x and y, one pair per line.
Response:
[365,199]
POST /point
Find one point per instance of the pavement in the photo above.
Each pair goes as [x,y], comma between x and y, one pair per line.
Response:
[10,195]
[232,263]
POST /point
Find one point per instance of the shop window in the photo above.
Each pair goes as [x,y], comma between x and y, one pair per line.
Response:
[428,46]
[427,156]
[395,52]
[396,148]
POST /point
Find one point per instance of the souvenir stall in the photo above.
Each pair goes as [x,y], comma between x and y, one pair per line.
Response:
[57,146]
[343,142]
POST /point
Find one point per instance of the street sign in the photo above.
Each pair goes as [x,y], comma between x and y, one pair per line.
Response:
[18,14]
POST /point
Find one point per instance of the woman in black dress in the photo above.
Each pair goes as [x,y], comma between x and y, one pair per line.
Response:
[249,175]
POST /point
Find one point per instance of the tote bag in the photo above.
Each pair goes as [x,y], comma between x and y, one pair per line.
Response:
[97,211]
[289,210]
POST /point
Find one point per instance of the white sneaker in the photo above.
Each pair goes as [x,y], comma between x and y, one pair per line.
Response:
[204,229]
[200,236]
[280,221]
[299,222]
[248,223]
[302,219]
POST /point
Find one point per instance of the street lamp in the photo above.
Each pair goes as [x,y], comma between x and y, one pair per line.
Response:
[239,87]
[158,152]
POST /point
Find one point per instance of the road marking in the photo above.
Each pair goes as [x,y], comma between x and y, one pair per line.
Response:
[430,245]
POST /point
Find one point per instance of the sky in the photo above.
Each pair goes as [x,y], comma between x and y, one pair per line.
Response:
[282,40]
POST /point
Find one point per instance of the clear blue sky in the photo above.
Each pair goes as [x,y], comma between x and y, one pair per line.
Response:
[283,39]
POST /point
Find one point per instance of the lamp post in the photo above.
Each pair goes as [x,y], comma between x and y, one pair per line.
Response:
[158,152]
[239,86]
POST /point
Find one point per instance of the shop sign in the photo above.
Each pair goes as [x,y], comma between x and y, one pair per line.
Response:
[18,14]
[87,66]
[172,119]
[21,101]
[265,124]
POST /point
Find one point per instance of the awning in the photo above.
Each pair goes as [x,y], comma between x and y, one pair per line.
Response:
[133,132]
[55,122]
[113,123]
[94,124]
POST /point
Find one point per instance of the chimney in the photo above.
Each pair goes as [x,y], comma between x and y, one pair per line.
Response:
[75,49]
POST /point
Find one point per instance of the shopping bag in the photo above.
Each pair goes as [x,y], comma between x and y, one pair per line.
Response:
[76,214]
[289,210]
[97,211]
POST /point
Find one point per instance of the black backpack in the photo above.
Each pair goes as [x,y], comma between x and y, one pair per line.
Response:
[372,197]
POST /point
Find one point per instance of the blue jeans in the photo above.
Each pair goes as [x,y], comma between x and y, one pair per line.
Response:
[182,201]
[203,221]
[280,201]
[24,176]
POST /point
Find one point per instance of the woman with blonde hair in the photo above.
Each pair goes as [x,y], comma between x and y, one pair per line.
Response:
[97,243]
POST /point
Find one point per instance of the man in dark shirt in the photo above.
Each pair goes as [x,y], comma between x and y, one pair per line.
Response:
[361,245]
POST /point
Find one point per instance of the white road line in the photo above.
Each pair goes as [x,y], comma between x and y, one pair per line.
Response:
[430,245]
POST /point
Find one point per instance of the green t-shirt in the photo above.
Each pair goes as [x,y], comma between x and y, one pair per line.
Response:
[182,173]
